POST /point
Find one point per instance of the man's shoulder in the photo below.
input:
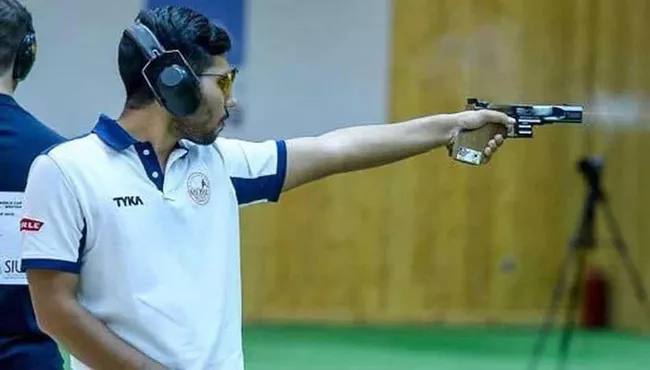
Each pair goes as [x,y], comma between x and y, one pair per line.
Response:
[75,159]
[80,149]
[238,145]
[214,149]
[39,126]
[226,142]
[46,133]
[29,125]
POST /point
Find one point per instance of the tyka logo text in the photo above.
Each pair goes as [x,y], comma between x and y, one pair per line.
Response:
[128,201]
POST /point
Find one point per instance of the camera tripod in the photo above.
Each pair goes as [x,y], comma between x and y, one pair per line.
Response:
[582,242]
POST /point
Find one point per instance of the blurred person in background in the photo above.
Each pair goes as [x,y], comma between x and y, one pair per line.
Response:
[132,250]
[23,346]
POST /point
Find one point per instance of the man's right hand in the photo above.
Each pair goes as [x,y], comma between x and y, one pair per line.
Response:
[86,338]
[474,119]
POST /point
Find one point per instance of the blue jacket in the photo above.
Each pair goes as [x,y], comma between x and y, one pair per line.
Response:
[22,345]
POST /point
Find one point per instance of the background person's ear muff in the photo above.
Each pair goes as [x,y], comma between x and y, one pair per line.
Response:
[170,77]
[25,55]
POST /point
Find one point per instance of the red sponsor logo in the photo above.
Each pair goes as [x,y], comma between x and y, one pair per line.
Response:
[28,224]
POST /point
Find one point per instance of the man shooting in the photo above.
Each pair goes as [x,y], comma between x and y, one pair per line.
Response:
[133,261]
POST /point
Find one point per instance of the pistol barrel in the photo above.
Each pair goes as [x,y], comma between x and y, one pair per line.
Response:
[552,113]
[535,114]
[527,115]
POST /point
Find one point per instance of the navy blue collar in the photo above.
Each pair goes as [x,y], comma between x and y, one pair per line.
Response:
[111,133]
[114,135]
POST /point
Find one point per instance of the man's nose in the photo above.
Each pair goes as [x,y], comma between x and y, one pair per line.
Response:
[231,102]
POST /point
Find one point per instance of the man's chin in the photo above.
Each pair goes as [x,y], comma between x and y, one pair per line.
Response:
[208,138]
[204,141]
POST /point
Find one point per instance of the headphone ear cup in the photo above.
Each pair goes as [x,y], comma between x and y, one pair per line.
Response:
[178,86]
[175,85]
[25,57]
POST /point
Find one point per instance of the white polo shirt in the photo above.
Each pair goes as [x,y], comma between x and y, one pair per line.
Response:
[158,253]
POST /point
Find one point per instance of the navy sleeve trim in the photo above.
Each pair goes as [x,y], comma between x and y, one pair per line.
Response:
[282,169]
[50,264]
[267,187]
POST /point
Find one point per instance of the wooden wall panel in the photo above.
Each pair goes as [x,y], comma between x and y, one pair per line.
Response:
[430,240]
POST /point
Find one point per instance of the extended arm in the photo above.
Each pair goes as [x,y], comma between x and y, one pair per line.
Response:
[363,147]
[63,318]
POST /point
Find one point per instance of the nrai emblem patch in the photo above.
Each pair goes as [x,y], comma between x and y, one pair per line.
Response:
[198,188]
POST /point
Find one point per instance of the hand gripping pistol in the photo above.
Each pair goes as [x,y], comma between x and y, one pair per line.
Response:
[469,145]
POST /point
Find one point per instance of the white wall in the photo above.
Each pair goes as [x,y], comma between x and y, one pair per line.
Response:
[316,65]
[311,65]
[75,76]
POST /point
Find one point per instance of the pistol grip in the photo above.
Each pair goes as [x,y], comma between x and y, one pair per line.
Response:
[469,145]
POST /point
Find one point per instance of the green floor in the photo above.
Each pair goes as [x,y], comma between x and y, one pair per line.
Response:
[318,348]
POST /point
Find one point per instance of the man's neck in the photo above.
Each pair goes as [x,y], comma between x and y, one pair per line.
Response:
[6,85]
[150,125]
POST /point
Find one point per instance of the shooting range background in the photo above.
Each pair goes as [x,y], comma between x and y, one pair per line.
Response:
[426,240]
[429,240]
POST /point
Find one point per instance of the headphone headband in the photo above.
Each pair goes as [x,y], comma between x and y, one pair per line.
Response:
[146,40]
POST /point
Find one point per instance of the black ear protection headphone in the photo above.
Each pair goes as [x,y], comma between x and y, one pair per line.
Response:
[25,55]
[170,77]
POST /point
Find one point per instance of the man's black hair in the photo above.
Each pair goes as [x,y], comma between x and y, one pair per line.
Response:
[176,28]
[14,23]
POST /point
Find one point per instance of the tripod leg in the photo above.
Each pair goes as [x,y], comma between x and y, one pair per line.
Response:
[550,313]
[570,314]
[633,272]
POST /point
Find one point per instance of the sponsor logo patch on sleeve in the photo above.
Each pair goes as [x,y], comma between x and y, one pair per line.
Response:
[29,224]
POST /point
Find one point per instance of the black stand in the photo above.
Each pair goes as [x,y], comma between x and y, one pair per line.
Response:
[579,246]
